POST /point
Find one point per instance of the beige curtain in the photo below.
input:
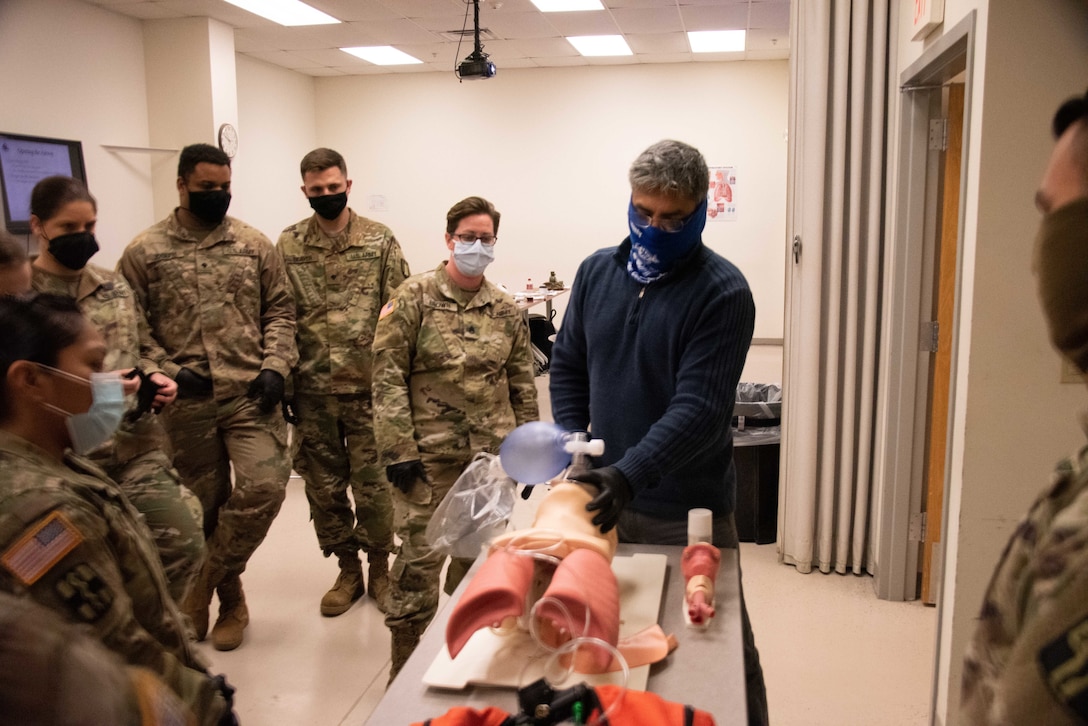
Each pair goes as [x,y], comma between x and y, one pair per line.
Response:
[838,88]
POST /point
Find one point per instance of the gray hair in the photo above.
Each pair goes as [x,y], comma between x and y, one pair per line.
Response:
[670,167]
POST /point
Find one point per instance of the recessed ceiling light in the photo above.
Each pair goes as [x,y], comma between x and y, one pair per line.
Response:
[564,6]
[716,41]
[382,55]
[600,44]
[285,12]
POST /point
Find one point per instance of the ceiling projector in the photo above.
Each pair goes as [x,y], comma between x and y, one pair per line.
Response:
[475,67]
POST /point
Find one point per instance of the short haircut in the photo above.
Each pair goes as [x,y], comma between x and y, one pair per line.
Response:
[12,251]
[53,192]
[670,167]
[35,327]
[1070,112]
[321,159]
[194,154]
[468,207]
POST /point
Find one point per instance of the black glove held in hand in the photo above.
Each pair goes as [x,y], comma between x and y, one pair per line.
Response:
[227,691]
[290,413]
[405,474]
[145,395]
[615,494]
[267,387]
[192,385]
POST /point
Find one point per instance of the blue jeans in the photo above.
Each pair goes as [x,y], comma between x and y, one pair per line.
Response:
[638,528]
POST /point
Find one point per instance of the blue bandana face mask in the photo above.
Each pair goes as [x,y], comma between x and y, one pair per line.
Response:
[654,252]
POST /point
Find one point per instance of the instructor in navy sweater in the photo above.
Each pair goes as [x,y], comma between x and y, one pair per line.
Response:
[649,354]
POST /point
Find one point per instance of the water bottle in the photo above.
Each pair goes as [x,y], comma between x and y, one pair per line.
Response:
[539,451]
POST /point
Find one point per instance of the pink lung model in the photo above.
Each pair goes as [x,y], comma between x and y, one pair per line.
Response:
[699,564]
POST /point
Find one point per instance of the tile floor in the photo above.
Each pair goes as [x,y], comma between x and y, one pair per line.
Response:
[832,653]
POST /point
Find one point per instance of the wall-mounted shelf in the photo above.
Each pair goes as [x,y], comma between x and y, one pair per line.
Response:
[145,149]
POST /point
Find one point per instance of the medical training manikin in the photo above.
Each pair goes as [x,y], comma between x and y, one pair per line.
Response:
[555,580]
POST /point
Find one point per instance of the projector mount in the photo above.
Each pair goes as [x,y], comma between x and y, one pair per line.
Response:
[476,65]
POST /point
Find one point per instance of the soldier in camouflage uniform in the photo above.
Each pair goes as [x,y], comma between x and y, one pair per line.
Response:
[63,216]
[69,538]
[342,269]
[221,322]
[453,375]
[14,265]
[56,674]
[1026,661]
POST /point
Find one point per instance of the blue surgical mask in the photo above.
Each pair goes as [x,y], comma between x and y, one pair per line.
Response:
[473,258]
[654,252]
[96,425]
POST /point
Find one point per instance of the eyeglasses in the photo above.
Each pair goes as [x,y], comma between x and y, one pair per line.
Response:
[668,224]
[469,237]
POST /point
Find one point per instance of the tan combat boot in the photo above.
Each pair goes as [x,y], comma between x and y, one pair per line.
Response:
[194,604]
[405,639]
[379,579]
[233,614]
[347,589]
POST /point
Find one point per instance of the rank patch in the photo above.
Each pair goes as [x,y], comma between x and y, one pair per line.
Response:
[41,547]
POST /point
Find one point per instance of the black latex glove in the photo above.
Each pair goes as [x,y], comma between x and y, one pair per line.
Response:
[145,395]
[290,413]
[267,388]
[614,494]
[405,474]
[192,385]
[227,690]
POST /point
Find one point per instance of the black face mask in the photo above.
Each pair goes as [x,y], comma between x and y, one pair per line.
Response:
[210,206]
[329,206]
[73,250]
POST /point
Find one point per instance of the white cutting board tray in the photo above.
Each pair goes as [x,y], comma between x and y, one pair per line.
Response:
[513,660]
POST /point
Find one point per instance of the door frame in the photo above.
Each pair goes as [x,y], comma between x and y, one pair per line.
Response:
[903,404]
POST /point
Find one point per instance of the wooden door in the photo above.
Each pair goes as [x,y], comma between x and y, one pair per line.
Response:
[941,361]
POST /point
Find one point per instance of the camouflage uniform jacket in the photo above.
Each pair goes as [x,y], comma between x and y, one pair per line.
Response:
[340,286]
[108,303]
[1026,661]
[220,306]
[70,540]
[449,376]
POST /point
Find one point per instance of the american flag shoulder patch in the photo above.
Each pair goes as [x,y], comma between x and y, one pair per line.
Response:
[42,546]
[388,308]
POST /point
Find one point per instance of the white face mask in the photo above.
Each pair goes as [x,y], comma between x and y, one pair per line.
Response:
[473,258]
[96,425]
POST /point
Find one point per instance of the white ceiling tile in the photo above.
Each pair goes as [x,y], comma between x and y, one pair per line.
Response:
[520,25]
[774,14]
[659,43]
[730,16]
[596,22]
[647,20]
[767,39]
[774,54]
[284,59]
[354,10]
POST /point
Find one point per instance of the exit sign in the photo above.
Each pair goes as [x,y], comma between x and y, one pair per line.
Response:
[927,15]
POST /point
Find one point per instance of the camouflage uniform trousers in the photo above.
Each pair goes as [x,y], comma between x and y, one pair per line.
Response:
[334,450]
[171,512]
[209,438]
[413,597]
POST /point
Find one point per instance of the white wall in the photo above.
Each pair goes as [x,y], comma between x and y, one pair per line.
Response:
[551,148]
[276,127]
[74,71]
[1013,419]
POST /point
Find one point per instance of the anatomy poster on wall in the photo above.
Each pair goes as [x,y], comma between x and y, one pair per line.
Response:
[720,198]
